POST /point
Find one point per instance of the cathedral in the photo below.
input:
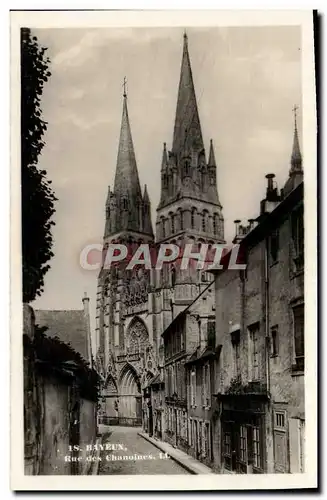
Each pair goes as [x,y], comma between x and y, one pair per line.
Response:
[135,307]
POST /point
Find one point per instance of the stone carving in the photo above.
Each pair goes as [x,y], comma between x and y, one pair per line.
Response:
[137,337]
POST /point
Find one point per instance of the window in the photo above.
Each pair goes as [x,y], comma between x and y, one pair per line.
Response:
[274,340]
[125,204]
[193,387]
[214,222]
[280,420]
[227,444]
[206,392]
[186,168]
[193,218]
[256,447]
[204,226]
[274,245]
[254,352]
[236,336]
[211,333]
[173,223]
[173,376]
[298,237]
[181,222]
[163,228]
[243,443]
[298,313]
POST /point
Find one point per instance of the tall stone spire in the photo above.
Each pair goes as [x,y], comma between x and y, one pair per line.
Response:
[212,160]
[164,161]
[296,171]
[127,196]
[147,223]
[187,129]
[296,157]
[126,179]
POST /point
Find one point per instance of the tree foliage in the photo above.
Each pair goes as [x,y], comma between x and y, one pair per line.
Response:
[37,196]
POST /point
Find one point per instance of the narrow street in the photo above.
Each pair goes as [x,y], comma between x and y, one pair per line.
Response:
[141,457]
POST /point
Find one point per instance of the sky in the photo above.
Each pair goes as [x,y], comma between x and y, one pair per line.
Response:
[247,80]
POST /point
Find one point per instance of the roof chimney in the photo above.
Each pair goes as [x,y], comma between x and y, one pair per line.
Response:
[272,198]
[237,226]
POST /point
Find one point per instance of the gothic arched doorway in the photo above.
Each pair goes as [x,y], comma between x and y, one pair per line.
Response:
[109,404]
[130,399]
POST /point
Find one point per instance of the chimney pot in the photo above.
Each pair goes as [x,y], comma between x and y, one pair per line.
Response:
[237,226]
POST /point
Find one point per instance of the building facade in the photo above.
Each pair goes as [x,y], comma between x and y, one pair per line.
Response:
[260,326]
[211,363]
[135,307]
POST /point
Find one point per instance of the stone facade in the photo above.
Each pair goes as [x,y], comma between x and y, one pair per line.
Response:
[260,318]
[135,307]
[216,370]
[58,412]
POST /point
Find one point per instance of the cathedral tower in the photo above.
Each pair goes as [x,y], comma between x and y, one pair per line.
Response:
[189,210]
[124,327]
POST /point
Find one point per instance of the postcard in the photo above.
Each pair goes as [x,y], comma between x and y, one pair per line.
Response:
[164,250]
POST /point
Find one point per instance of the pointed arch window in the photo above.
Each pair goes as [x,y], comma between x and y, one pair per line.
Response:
[163,228]
[181,222]
[193,218]
[215,223]
[173,223]
[186,168]
[125,204]
[204,222]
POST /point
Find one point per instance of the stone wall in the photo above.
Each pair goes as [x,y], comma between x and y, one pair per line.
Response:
[48,414]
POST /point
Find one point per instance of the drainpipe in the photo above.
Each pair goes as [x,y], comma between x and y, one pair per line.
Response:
[267,333]
[267,343]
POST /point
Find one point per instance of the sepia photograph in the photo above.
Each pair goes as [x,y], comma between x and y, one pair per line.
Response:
[165,204]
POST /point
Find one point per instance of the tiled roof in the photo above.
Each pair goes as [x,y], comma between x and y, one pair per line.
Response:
[69,326]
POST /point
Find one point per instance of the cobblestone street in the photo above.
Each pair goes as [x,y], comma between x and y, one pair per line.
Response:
[152,462]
